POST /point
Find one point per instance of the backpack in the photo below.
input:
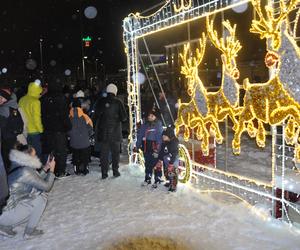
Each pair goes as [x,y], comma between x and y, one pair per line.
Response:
[14,124]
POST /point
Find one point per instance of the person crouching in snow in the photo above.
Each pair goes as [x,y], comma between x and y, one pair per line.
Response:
[167,160]
[82,129]
[149,140]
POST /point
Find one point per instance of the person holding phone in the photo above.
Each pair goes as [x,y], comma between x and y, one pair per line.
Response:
[28,184]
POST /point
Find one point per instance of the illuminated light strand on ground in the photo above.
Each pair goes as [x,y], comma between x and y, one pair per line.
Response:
[240,177]
[246,203]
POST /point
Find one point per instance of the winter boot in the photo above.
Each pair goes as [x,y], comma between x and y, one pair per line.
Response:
[7,231]
[167,184]
[76,170]
[104,176]
[173,180]
[85,170]
[146,183]
[117,174]
[31,233]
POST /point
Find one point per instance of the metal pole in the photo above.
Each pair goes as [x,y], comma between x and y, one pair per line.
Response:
[154,7]
[83,69]
[81,44]
[41,57]
[159,83]
[151,87]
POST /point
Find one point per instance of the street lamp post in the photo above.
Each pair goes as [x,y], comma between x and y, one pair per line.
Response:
[83,67]
[41,58]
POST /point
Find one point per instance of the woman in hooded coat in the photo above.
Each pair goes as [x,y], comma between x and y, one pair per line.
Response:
[28,183]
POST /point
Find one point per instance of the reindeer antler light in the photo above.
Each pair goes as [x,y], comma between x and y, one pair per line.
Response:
[268,25]
[190,64]
[229,46]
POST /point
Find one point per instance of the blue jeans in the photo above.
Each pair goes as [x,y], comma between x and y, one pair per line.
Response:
[35,141]
[150,163]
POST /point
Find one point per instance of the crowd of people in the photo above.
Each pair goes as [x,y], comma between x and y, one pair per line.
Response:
[39,130]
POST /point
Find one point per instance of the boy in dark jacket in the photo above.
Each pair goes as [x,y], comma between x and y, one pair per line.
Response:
[82,129]
[167,160]
[149,140]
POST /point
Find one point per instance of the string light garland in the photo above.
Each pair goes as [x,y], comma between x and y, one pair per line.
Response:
[183,6]
[184,156]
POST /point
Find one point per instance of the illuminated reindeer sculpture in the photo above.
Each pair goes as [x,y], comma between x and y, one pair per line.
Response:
[224,102]
[194,114]
[278,99]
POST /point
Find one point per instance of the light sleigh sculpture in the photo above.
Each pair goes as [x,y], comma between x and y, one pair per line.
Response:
[264,109]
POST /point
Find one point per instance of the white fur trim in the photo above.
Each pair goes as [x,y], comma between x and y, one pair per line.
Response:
[24,159]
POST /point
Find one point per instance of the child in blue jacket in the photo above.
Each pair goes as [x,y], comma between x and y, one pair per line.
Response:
[168,160]
[149,141]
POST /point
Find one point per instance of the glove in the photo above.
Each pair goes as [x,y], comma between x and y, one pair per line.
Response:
[158,166]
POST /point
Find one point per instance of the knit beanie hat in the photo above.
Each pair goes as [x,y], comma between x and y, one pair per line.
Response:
[6,93]
[169,131]
[111,88]
[79,94]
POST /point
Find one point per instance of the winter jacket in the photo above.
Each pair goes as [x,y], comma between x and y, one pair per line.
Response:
[14,124]
[149,136]
[170,150]
[31,108]
[55,113]
[24,181]
[110,113]
[82,129]
[3,185]
[12,103]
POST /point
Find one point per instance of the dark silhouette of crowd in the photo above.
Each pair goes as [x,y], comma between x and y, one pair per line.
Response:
[38,130]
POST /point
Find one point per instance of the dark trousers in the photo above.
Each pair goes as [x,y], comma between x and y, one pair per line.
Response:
[81,158]
[114,149]
[35,141]
[7,145]
[150,163]
[56,142]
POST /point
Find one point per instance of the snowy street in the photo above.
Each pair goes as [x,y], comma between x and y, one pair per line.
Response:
[89,213]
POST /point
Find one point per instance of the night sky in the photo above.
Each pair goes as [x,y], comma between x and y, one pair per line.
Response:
[57,22]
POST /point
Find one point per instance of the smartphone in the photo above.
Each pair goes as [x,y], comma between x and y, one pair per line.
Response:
[51,156]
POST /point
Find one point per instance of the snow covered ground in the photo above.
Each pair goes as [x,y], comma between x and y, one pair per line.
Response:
[89,213]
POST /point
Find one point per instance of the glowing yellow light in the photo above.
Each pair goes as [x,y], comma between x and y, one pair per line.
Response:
[175,24]
[215,106]
[269,103]
[185,175]
[183,6]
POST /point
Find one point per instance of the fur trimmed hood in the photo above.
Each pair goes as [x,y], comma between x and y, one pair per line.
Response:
[23,159]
